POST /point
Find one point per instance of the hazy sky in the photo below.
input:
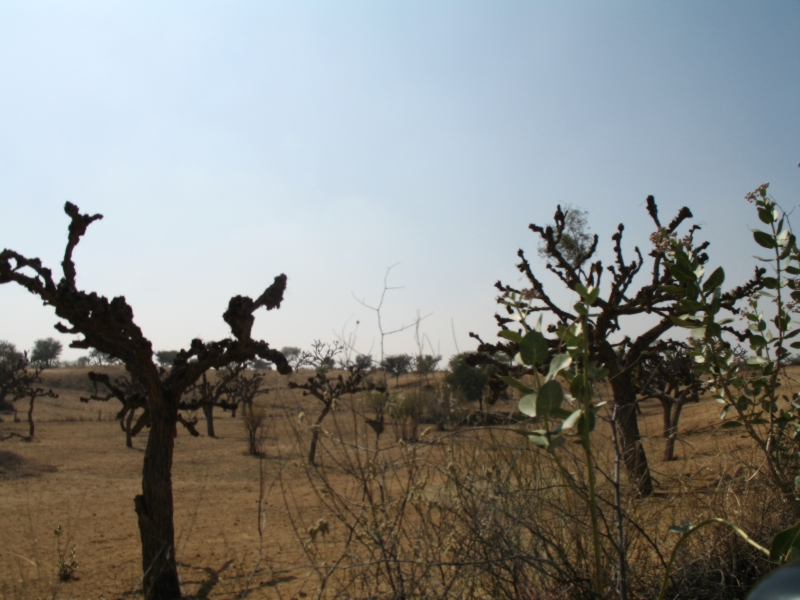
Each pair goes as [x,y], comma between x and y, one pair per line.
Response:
[228,142]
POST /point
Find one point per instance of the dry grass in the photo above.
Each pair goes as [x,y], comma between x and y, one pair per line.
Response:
[462,513]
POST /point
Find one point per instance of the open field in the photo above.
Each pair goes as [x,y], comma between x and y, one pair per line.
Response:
[77,473]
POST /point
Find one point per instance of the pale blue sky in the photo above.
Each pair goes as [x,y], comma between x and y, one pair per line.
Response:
[227,142]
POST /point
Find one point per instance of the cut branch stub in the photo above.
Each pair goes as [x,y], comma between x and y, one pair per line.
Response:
[239,315]
[77,228]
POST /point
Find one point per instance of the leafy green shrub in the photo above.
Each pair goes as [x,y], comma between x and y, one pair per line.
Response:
[469,382]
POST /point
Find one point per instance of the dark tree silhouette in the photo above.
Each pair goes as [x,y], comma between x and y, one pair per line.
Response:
[13,370]
[109,327]
[656,297]
[46,352]
[20,379]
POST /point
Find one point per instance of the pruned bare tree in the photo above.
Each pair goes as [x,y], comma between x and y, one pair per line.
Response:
[655,298]
[109,327]
[206,395]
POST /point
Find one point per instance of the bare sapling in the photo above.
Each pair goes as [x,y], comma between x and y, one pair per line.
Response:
[242,392]
[329,389]
[109,327]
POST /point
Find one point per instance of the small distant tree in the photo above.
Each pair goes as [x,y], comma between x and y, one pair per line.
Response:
[259,365]
[576,240]
[468,381]
[20,379]
[206,395]
[293,355]
[244,389]
[101,358]
[30,388]
[46,352]
[397,365]
[8,353]
[363,362]
[12,371]
[165,358]
[322,357]
[426,363]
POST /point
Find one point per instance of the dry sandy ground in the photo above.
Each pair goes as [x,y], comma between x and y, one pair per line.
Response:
[78,474]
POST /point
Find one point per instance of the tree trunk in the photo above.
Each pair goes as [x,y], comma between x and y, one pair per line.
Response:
[312,453]
[128,427]
[208,411]
[672,408]
[632,449]
[154,509]
[30,417]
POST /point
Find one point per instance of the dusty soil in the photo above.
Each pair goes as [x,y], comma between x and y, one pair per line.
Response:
[78,473]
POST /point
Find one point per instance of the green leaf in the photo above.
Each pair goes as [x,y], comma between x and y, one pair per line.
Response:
[570,421]
[771,283]
[766,215]
[756,361]
[764,239]
[681,273]
[683,322]
[527,404]
[731,425]
[677,529]
[562,361]
[714,280]
[785,543]
[512,336]
[549,398]
[516,384]
[538,439]
[579,390]
[674,290]
[533,348]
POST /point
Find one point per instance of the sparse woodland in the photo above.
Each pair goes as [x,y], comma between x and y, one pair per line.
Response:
[567,458]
